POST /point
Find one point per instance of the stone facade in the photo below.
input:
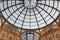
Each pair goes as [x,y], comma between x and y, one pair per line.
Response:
[54,35]
[6,33]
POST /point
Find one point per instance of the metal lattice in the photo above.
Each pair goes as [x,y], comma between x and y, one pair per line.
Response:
[30,36]
[30,14]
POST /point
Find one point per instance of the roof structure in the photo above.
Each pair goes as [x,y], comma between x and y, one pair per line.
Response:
[30,14]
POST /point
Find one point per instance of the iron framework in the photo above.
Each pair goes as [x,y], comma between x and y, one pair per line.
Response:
[36,15]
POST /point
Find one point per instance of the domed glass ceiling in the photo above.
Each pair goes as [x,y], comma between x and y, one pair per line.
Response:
[30,14]
[30,36]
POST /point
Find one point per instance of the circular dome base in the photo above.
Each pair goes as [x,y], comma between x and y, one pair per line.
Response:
[30,3]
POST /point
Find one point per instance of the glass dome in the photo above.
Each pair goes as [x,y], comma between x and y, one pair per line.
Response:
[30,14]
[30,36]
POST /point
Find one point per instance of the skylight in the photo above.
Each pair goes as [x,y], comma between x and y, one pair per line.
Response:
[30,14]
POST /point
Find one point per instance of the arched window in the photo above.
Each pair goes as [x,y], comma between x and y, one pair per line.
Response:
[30,36]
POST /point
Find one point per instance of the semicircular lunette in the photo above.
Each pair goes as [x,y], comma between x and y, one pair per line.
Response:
[30,14]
